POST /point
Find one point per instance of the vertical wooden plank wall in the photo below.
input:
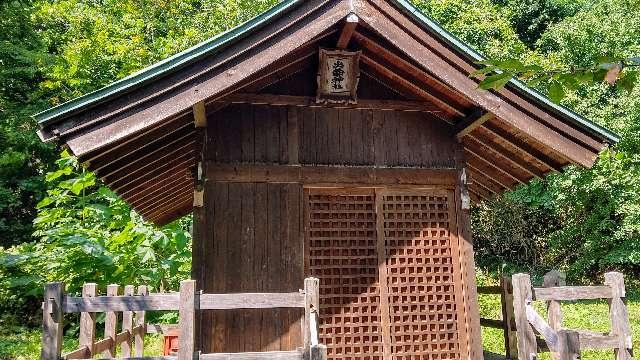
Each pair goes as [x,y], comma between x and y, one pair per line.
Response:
[268,135]
[251,242]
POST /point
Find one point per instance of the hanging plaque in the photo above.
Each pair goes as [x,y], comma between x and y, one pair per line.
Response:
[338,76]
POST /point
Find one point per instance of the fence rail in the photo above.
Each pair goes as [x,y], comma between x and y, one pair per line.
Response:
[134,305]
[522,323]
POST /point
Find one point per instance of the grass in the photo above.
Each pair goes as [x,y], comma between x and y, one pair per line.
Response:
[586,315]
[19,343]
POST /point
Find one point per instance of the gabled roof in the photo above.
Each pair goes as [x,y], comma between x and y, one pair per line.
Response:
[138,133]
[214,44]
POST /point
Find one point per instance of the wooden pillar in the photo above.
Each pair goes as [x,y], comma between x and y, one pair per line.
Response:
[127,324]
[88,322]
[311,303]
[510,336]
[110,324]
[620,325]
[467,262]
[52,322]
[568,345]
[140,325]
[522,296]
[551,279]
[187,312]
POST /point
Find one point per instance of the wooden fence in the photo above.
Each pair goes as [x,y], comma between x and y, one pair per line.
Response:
[522,323]
[187,302]
[507,323]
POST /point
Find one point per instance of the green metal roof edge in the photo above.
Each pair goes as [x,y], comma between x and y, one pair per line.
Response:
[162,67]
[528,92]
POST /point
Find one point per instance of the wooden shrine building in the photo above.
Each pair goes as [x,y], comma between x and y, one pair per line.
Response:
[341,139]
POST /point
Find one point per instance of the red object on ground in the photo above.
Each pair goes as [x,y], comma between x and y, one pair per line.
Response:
[170,343]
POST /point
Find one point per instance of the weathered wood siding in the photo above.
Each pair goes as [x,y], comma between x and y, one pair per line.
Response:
[249,239]
[263,134]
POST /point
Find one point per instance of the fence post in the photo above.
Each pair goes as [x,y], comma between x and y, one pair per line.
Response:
[568,345]
[140,324]
[110,324]
[554,310]
[127,324]
[510,337]
[522,296]
[311,302]
[52,322]
[187,313]
[88,322]
[619,315]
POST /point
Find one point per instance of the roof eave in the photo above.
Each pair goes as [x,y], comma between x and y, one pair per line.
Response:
[161,68]
[531,94]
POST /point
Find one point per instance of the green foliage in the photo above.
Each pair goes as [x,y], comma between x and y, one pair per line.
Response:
[479,23]
[23,157]
[87,234]
[531,18]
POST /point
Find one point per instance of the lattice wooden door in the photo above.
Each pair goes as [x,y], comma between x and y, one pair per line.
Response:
[389,271]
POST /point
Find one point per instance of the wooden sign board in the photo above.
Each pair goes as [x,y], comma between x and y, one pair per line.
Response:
[338,76]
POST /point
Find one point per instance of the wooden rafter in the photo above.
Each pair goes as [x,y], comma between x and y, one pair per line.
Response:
[492,163]
[440,89]
[347,31]
[482,181]
[147,157]
[309,101]
[471,123]
[503,153]
[448,111]
[522,146]
[489,172]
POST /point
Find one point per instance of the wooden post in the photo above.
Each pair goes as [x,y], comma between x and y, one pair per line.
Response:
[522,296]
[318,352]
[140,322]
[619,315]
[311,303]
[110,324]
[127,324]
[510,337]
[52,324]
[187,313]
[568,345]
[554,310]
[88,322]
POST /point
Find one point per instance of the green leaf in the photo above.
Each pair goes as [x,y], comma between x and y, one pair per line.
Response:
[496,81]
[483,71]
[556,91]
[44,202]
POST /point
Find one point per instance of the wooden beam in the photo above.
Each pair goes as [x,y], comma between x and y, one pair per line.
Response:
[479,178]
[440,88]
[199,115]
[479,191]
[329,175]
[522,146]
[471,123]
[487,173]
[347,31]
[493,164]
[310,101]
[504,154]
[447,111]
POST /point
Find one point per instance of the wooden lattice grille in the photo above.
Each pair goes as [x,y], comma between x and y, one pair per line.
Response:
[342,254]
[359,239]
[420,277]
